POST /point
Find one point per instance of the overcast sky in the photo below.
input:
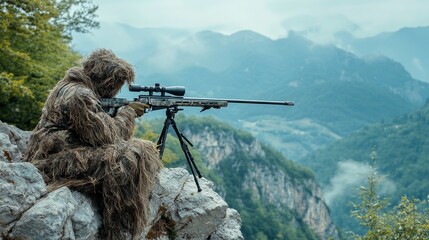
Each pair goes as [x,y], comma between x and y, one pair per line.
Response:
[273,18]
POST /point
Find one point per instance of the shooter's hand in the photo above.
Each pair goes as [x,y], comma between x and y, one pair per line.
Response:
[138,107]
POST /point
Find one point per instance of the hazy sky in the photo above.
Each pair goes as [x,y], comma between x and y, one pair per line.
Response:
[273,18]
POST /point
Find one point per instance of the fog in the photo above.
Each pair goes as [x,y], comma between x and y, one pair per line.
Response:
[274,18]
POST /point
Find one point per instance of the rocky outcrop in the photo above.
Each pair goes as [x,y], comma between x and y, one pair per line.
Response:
[29,211]
[180,212]
[13,142]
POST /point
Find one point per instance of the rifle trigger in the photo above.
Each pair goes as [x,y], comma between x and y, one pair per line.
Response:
[205,108]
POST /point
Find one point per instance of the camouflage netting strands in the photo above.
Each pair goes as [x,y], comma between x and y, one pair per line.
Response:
[76,144]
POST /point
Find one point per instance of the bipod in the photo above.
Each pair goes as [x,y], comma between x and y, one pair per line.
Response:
[169,121]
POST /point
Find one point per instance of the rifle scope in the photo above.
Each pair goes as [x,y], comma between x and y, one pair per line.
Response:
[173,90]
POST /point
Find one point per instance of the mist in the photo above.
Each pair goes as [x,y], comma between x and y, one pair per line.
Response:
[349,177]
[273,18]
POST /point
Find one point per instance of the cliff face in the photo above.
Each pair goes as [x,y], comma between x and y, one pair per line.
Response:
[267,182]
[302,197]
[29,211]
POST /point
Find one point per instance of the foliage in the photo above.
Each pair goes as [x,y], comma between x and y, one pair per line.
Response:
[34,52]
[405,221]
[76,15]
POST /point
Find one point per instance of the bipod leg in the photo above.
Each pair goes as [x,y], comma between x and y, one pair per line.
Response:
[163,137]
[187,153]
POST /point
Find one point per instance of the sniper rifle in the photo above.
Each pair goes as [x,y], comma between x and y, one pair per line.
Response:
[172,103]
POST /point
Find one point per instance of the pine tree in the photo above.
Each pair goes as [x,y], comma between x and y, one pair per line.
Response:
[408,220]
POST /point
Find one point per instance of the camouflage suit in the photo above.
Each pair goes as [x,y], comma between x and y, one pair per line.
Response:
[76,144]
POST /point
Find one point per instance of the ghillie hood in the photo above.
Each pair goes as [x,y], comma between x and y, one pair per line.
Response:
[107,72]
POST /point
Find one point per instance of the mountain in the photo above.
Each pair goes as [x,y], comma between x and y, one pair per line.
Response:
[276,198]
[402,151]
[317,78]
[333,89]
[407,46]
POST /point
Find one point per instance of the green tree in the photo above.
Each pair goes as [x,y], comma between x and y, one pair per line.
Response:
[35,52]
[404,221]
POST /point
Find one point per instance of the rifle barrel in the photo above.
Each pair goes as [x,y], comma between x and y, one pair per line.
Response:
[285,103]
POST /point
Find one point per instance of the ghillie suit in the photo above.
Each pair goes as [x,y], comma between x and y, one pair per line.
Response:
[76,144]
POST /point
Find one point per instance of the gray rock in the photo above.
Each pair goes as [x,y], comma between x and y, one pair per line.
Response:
[179,211]
[230,228]
[86,220]
[20,187]
[60,215]
[47,218]
[13,143]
